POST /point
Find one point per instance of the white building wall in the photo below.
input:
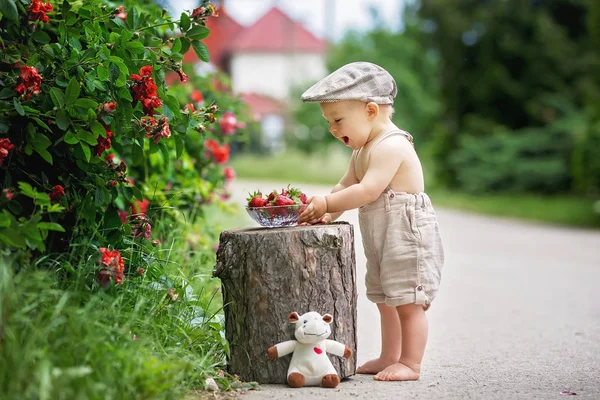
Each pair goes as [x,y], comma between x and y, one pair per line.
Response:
[273,74]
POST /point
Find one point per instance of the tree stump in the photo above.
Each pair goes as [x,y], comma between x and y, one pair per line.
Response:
[266,273]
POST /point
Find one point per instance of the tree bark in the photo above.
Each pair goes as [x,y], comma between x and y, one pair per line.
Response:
[266,273]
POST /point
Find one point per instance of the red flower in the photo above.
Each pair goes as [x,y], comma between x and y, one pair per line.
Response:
[5,146]
[124,215]
[229,173]
[56,193]
[153,130]
[219,153]
[9,194]
[140,207]
[182,76]
[112,266]
[189,108]
[103,142]
[29,82]
[145,90]
[146,71]
[204,12]
[120,13]
[140,226]
[197,96]
[228,123]
[109,157]
[38,10]
[110,107]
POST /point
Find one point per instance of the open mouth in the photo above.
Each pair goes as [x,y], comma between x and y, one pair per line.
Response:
[345,139]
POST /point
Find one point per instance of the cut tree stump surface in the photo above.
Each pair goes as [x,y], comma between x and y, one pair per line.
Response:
[266,273]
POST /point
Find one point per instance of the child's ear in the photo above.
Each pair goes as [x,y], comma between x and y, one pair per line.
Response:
[372,109]
[293,317]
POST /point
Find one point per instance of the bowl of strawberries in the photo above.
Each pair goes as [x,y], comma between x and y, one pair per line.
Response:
[277,208]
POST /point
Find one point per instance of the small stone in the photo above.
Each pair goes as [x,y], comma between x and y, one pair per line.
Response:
[211,385]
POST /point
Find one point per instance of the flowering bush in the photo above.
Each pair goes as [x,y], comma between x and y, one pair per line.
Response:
[86,122]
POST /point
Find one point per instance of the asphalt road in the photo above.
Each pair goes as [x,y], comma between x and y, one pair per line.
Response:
[517,315]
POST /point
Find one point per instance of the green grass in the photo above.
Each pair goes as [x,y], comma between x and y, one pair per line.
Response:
[64,337]
[293,166]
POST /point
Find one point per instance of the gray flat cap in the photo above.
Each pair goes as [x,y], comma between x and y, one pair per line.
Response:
[362,81]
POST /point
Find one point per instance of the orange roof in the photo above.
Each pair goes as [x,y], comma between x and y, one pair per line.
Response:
[276,32]
[261,105]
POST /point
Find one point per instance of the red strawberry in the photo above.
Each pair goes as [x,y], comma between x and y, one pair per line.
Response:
[303,198]
[272,196]
[256,200]
[282,200]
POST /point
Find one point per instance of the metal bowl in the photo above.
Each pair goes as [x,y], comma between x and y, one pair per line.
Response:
[274,216]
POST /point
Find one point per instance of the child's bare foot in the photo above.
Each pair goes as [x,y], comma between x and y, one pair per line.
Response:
[398,372]
[375,366]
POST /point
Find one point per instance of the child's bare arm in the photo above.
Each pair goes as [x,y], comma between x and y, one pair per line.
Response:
[383,165]
[347,180]
[384,162]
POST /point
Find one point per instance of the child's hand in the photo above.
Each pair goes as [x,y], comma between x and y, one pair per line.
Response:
[325,219]
[317,207]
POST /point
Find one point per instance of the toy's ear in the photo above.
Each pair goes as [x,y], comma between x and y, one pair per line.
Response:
[327,318]
[293,317]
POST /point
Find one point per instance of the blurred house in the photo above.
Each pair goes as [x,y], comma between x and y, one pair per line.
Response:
[264,61]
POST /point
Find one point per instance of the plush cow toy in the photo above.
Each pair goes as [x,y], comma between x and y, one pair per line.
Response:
[310,365]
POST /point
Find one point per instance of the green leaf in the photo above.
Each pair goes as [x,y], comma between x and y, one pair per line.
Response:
[115,72]
[137,154]
[133,18]
[40,141]
[26,189]
[102,72]
[7,93]
[128,193]
[201,50]
[18,106]
[88,137]
[198,32]
[184,22]
[185,45]
[176,46]
[50,226]
[5,220]
[42,124]
[62,119]
[8,8]
[45,155]
[40,36]
[86,151]
[70,138]
[12,237]
[124,72]
[58,98]
[135,47]
[73,91]
[86,104]
[99,197]
[125,94]
[173,104]
[97,129]
[31,230]
[137,193]
[179,145]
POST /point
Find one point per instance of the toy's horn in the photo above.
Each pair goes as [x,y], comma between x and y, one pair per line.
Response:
[293,317]
[328,318]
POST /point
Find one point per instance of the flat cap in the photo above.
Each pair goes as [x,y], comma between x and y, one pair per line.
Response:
[361,80]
